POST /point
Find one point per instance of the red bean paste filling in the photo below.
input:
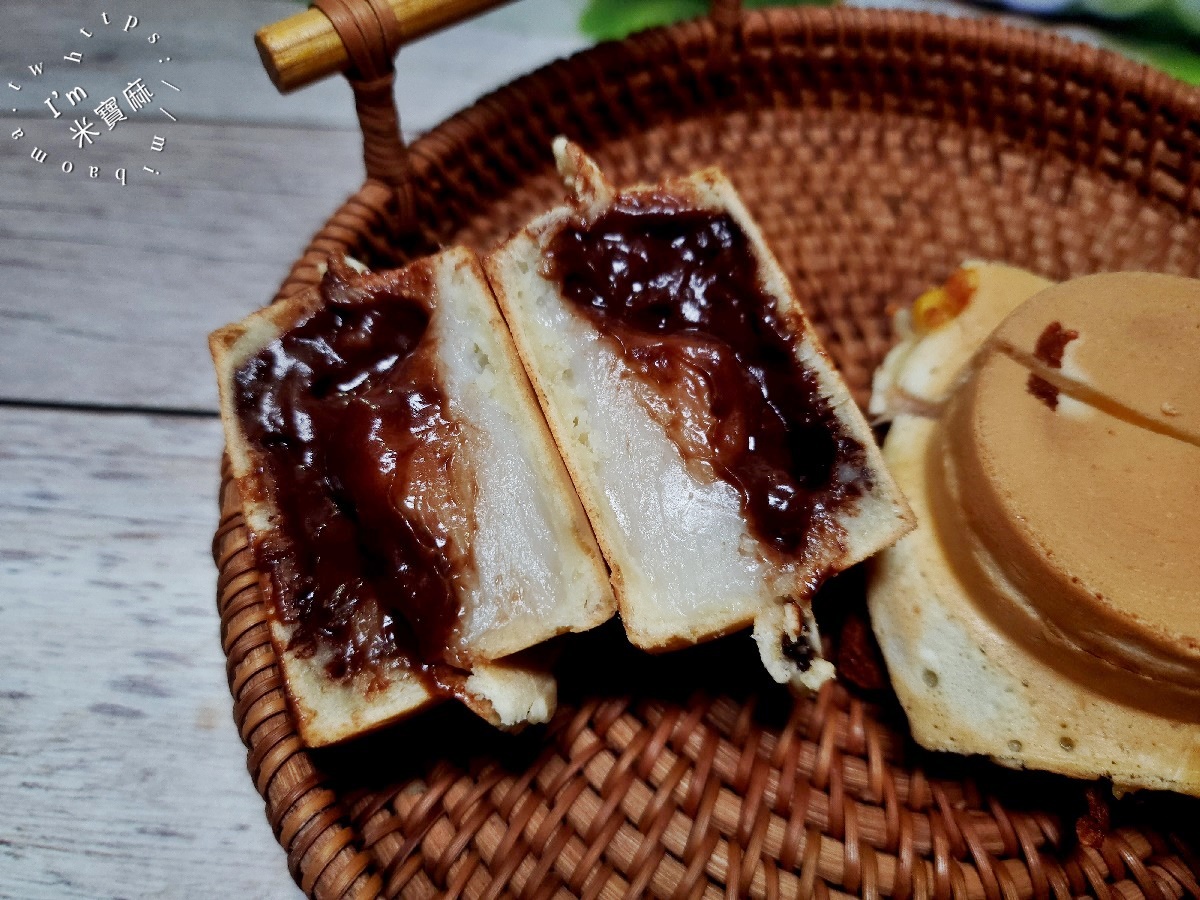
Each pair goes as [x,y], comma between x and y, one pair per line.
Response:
[679,291]
[336,410]
[1050,347]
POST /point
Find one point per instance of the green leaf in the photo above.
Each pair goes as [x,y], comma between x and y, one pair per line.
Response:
[1156,37]
[1174,59]
[605,20]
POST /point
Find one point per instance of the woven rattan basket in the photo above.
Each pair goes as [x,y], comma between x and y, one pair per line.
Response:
[877,150]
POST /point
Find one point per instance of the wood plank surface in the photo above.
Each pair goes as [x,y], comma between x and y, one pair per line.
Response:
[121,774]
[212,50]
[124,283]
[110,291]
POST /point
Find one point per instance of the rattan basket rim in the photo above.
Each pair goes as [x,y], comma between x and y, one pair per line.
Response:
[321,828]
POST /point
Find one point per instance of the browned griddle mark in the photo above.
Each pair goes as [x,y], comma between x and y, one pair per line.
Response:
[1051,344]
[798,649]
[1043,390]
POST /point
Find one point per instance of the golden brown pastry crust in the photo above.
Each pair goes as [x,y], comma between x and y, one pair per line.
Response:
[506,692]
[1043,612]
[581,393]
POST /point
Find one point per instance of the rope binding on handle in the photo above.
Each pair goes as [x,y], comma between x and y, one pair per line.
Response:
[725,18]
[725,14]
[371,35]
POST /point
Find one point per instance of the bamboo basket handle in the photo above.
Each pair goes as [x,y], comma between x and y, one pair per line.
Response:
[304,48]
[307,47]
[360,38]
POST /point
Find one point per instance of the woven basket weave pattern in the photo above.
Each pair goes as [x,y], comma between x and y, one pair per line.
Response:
[877,150]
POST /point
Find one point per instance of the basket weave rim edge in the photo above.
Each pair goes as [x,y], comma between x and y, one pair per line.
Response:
[1159,90]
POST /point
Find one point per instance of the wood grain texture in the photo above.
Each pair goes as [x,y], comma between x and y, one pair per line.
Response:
[111,291]
[125,283]
[121,774]
[212,51]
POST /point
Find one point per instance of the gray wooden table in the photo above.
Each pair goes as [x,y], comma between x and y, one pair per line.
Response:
[121,774]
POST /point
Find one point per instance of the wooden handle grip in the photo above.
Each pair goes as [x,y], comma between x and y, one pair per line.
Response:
[304,48]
